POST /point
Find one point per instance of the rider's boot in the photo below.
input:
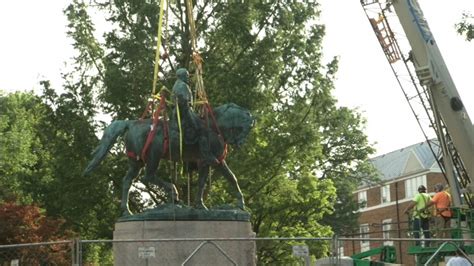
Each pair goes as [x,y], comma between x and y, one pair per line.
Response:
[205,150]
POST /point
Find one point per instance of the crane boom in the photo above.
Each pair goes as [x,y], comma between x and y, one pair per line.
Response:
[448,115]
[433,73]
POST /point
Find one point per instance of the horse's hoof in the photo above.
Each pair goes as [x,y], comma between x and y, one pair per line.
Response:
[178,202]
[201,206]
[210,162]
[126,213]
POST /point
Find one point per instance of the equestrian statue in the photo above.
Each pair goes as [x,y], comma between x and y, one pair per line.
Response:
[188,138]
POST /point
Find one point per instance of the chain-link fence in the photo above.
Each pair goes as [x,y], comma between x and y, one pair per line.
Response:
[203,251]
[51,253]
[197,251]
[216,251]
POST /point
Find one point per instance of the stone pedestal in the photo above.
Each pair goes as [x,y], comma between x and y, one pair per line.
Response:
[169,252]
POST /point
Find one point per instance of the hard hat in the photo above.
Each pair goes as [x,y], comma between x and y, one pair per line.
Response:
[421,188]
[439,187]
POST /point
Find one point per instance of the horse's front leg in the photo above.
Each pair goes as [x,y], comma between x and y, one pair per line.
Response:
[203,170]
[132,173]
[227,173]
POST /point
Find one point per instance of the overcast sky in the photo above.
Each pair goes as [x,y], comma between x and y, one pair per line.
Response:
[34,47]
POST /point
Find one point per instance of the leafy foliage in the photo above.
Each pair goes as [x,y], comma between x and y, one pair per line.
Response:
[87,202]
[47,143]
[466,26]
[28,224]
[22,153]
[47,138]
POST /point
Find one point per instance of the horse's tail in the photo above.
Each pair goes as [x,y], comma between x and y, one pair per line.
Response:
[111,133]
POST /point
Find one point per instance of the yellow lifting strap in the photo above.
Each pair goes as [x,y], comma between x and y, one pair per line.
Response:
[158,45]
[178,115]
[200,94]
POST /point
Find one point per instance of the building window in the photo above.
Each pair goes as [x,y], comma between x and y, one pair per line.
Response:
[385,194]
[364,233]
[363,199]
[386,230]
[412,184]
[341,250]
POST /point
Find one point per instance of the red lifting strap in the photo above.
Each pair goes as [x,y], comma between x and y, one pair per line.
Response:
[132,155]
[216,128]
[223,155]
[147,109]
[214,122]
[154,126]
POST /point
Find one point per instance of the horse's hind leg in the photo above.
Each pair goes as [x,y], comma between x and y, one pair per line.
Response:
[203,175]
[170,188]
[150,177]
[227,173]
[133,170]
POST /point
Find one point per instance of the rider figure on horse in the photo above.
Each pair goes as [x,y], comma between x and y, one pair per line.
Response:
[193,129]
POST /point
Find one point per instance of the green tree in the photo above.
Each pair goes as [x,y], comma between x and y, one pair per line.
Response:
[305,156]
[21,151]
[346,164]
[466,26]
[89,204]
[46,140]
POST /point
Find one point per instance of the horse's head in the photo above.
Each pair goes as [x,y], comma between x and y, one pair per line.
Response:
[234,122]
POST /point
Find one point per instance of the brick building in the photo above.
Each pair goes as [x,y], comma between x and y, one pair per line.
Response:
[382,216]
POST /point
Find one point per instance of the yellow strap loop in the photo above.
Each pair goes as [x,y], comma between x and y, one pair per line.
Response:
[200,102]
[158,98]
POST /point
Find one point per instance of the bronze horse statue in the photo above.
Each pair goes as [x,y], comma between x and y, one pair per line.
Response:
[232,121]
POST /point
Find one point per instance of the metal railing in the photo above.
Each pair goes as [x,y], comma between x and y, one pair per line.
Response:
[79,252]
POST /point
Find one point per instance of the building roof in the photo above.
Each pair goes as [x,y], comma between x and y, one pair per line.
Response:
[409,160]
